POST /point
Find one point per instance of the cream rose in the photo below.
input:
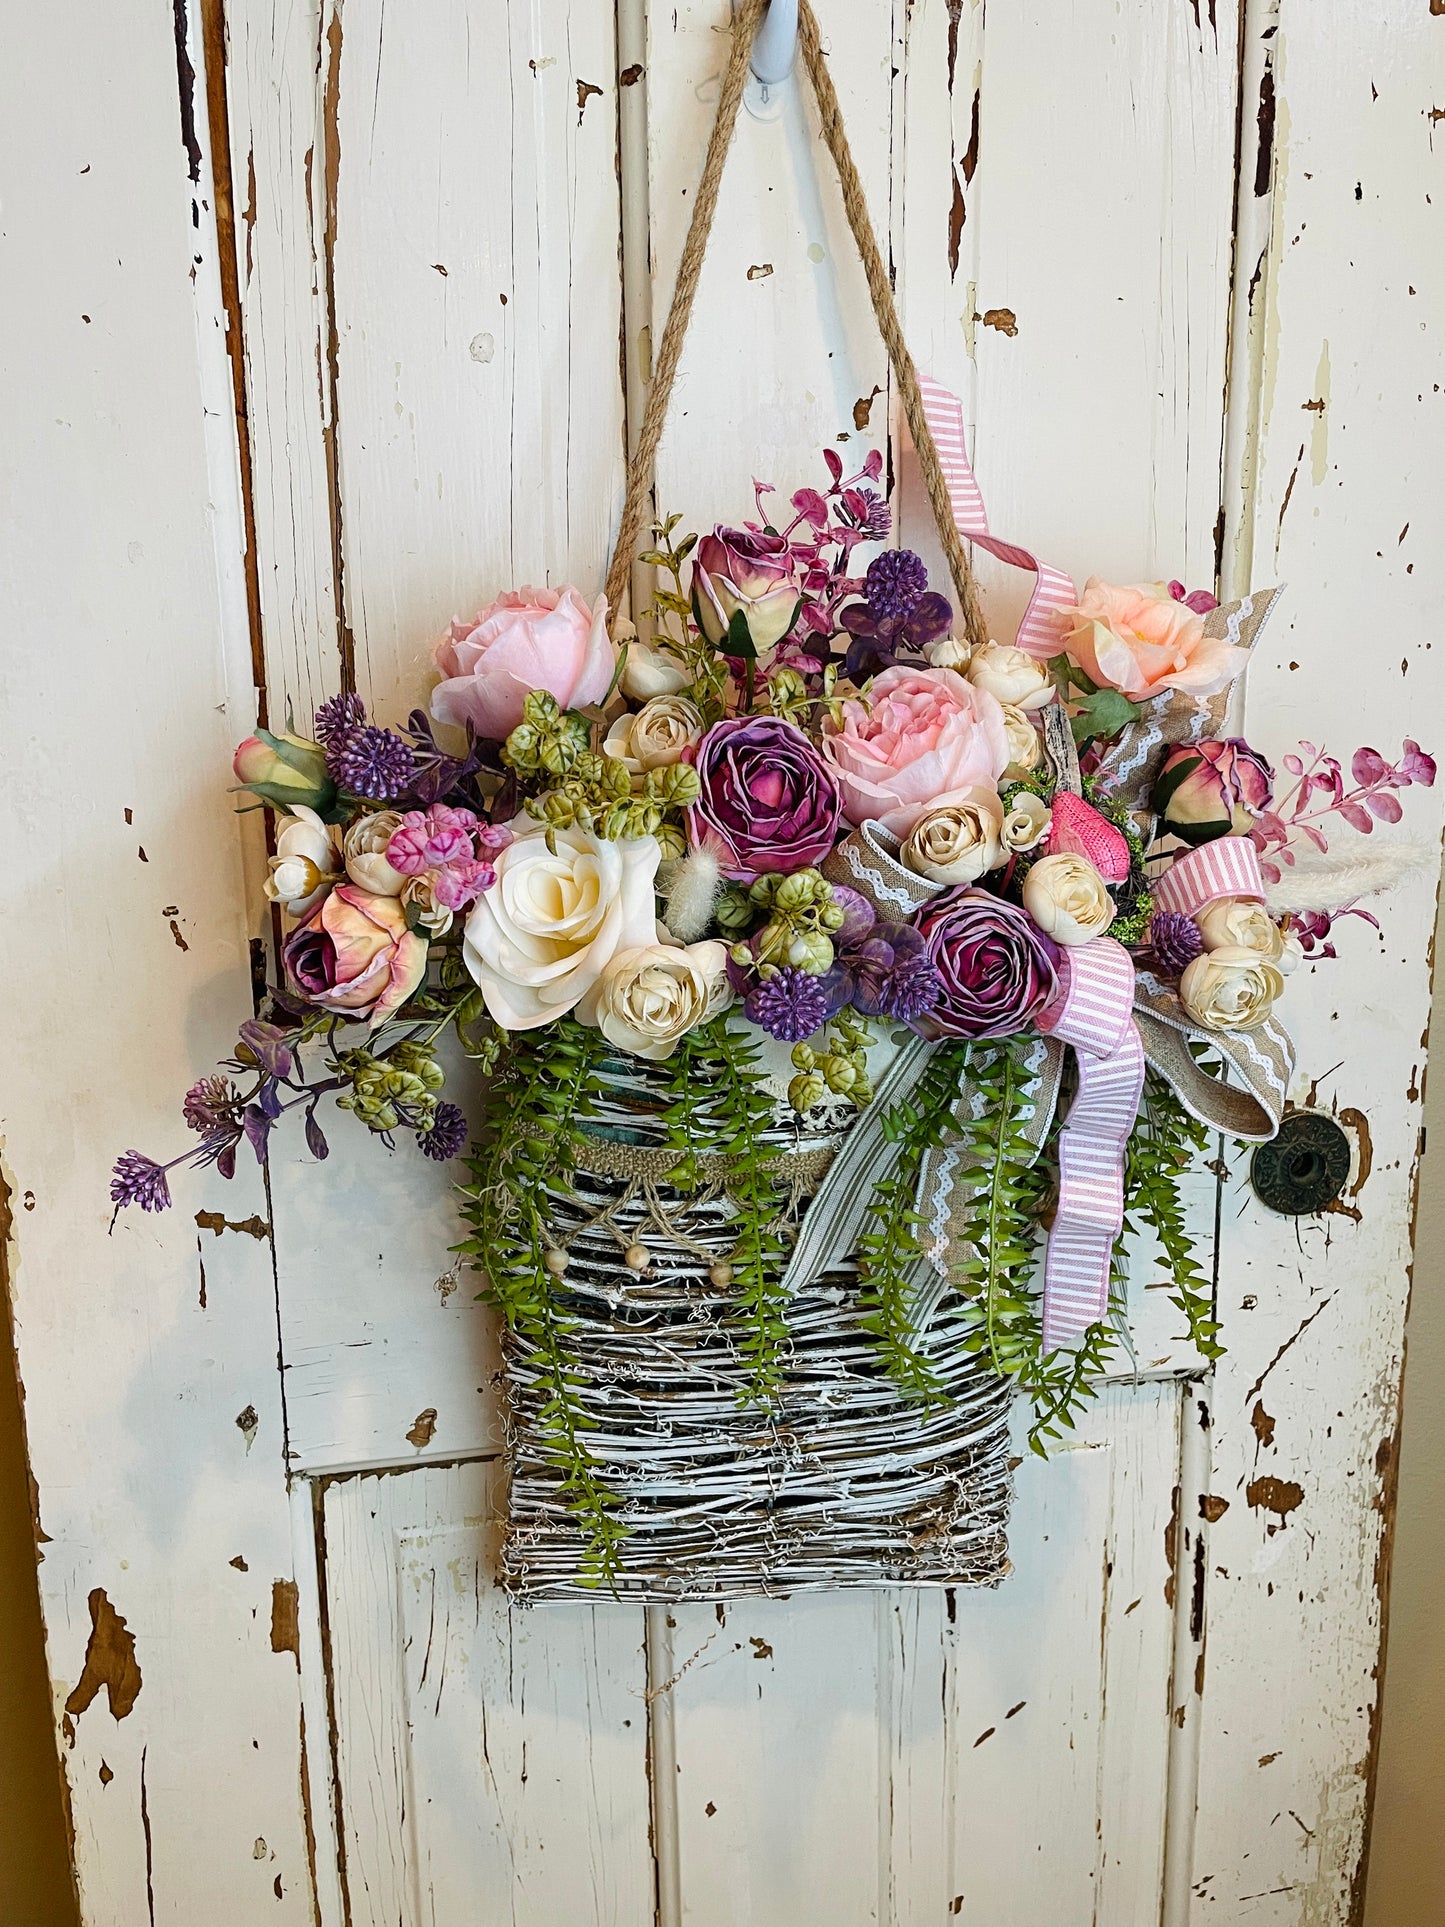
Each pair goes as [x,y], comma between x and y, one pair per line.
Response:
[1011,675]
[1025,749]
[1066,897]
[1027,822]
[306,863]
[652,672]
[540,938]
[365,851]
[1235,922]
[648,998]
[1230,988]
[659,733]
[958,841]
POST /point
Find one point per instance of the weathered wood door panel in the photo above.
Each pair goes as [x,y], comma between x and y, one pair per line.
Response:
[1184,263]
[851,1757]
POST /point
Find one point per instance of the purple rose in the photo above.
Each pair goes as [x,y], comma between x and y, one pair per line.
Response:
[768,801]
[1210,789]
[747,571]
[995,965]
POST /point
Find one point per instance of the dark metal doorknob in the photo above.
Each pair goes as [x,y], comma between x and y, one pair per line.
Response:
[1305,1167]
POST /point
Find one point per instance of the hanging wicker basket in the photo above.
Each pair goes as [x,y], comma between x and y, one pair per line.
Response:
[842,1481]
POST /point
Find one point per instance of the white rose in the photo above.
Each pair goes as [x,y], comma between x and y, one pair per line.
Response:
[648,998]
[1230,989]
[365,851]
[957,842]
[419,900]
[306,863]
[1025,750]
[1027,822]
[1235,922]
[652,672]
[540,938]
[1066,897]
[949,652]
[1011,675]
[660,731]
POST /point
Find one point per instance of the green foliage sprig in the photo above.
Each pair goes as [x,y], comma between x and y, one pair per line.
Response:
[531,1145]
[719,1103]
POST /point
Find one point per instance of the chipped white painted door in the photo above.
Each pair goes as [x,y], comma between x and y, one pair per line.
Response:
[1186,270]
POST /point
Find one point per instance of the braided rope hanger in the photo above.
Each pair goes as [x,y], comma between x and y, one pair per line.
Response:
[880,289]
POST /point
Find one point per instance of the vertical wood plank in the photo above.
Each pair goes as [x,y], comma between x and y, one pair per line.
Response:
[156,1425]
[1349,493]
[904,1756]
[488,1756]
[478,309]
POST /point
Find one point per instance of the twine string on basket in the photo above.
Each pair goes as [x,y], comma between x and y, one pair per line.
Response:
[880,289]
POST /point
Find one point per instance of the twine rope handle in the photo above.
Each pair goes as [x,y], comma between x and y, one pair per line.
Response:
[880,289]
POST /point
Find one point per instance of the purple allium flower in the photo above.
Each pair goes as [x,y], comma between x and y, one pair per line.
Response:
[372,762]
[209,1105]
[1175,939]
[138,1179]
[895,582]
[337,720]
[789,1005]
[448,1134]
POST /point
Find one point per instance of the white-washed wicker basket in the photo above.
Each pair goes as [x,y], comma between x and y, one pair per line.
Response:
[844,1482]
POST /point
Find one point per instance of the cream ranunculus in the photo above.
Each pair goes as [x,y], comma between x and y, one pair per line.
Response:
[306,863]
[958,841]
[1230,988]
[1025,749]
[1026,823]
[418,899]
[1235,922]
[1067,898]
[949,652]
[365,853]
[659,733]
[540,938]
[648,998]
[1011,675]
[652,672]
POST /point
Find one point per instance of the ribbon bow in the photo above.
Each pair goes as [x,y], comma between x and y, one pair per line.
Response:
[1096,1016]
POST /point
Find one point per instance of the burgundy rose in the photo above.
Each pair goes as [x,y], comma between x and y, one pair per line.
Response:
[995,965]
[1210,789]
[768,801]
[747,571]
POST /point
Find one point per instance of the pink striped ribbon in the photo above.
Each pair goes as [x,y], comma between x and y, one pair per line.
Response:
[1227,867]
[943,412]
[1096,1016]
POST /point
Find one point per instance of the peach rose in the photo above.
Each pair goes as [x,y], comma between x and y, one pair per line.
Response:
[923,738]
[354,955]
[1137,639]
[528,639]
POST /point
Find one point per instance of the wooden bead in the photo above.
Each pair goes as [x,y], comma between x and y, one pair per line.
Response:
[720,1274]
[555,1259]
[637,1257]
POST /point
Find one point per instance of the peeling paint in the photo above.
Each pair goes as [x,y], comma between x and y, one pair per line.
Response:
[1274,1495]
[423,1428]
[286,1619]
[586,91]
[217,1221]
[110,1662]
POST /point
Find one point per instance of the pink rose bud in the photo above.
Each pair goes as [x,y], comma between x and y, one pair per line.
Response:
[284,769]
[1211,789]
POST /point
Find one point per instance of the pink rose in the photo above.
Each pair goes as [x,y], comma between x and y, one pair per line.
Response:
[925,737]
[528,639]
[354,955]
[1139,640]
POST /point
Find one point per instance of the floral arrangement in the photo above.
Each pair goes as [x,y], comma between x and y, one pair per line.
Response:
[800,823]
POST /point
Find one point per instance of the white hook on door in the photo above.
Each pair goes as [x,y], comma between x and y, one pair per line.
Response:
[775,45]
